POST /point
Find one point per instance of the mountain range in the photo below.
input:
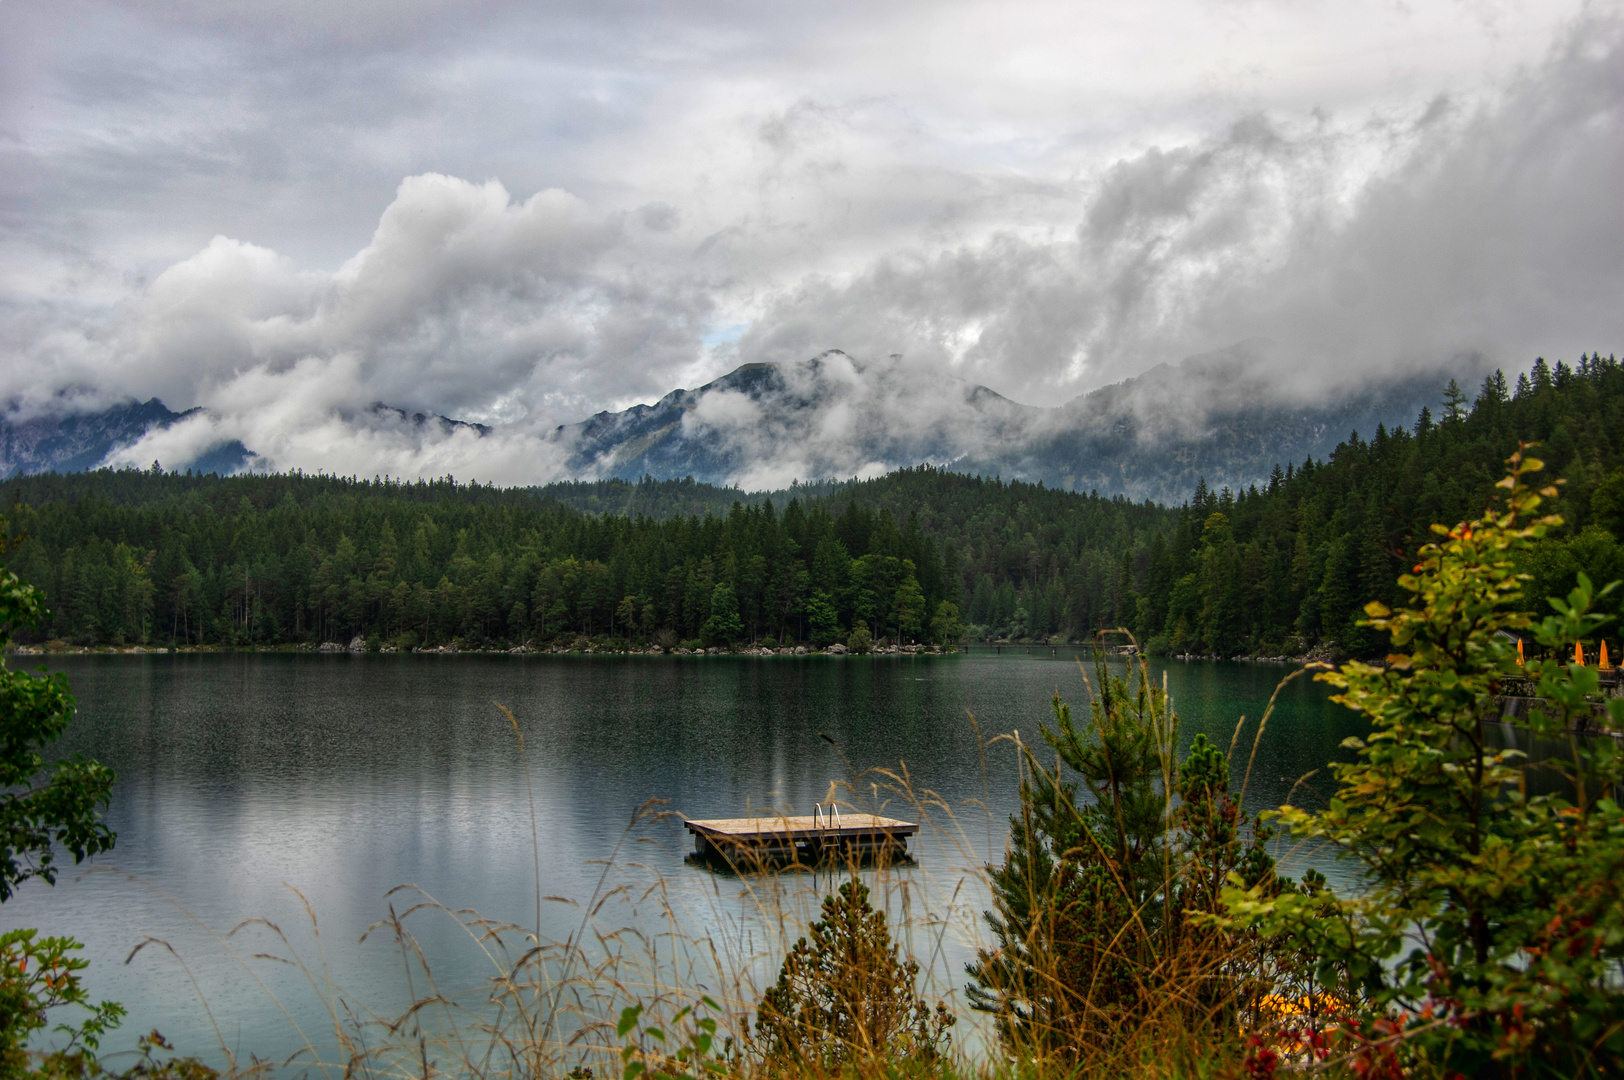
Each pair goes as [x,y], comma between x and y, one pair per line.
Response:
[77,442]
[1221,418]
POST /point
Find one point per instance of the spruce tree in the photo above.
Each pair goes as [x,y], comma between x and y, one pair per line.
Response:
[1080,899]
[1455,402]
[845,994]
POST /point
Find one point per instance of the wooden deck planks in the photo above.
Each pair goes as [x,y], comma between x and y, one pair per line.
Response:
[778,826]
[803,832]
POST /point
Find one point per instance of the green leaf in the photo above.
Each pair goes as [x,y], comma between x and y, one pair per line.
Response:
[628,1019]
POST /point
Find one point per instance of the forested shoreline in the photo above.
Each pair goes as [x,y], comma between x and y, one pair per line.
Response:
[1289,566]
[923,555]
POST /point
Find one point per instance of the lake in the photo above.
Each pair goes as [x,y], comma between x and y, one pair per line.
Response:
[244,776]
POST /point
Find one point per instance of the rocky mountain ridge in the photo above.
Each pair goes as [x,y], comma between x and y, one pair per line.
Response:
[77,442]
[1219,418]
[1155,436]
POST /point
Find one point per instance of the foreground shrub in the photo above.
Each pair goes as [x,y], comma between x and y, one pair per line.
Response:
[1488,939]
[40,976]
[37,975]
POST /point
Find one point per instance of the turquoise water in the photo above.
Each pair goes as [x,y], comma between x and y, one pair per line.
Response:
[243,777]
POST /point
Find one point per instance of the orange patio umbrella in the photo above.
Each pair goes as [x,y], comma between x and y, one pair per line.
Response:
[1519,652]
[1604,665]
[1579,653]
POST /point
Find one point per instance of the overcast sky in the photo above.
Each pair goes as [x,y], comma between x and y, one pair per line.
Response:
[524,213]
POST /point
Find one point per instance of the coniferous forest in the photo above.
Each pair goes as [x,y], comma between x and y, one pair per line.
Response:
[925,555]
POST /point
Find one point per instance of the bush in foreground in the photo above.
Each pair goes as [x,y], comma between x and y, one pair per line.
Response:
[1489,939]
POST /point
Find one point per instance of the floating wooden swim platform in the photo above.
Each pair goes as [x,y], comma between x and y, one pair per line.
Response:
[805,838]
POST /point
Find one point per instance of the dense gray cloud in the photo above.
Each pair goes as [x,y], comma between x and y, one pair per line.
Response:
[205,202]
[1486,230]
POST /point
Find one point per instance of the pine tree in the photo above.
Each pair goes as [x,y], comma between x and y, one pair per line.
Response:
[1455,402]
[1079,902]
[845,994]
[1541,374]
[1093,902]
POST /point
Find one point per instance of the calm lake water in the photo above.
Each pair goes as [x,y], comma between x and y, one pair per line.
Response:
[240,776]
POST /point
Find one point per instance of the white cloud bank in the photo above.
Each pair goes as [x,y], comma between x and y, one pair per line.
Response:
[1389,236]
[1401,242]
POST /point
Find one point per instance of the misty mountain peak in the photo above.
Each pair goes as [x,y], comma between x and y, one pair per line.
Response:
[1221,415]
